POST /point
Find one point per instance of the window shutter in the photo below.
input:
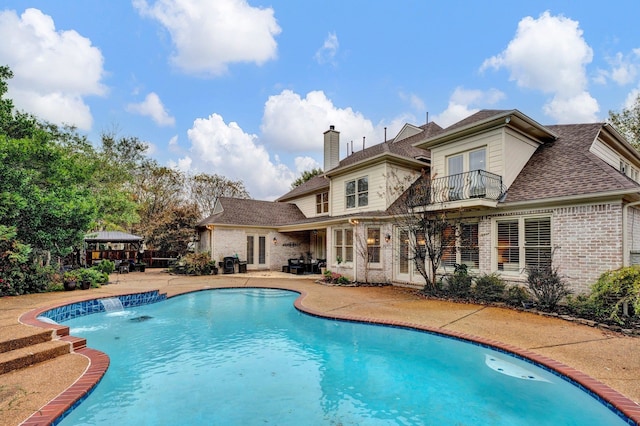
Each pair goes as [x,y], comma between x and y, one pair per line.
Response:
[508,246]
[537,237]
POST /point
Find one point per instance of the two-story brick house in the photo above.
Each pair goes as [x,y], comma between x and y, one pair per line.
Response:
[522,191]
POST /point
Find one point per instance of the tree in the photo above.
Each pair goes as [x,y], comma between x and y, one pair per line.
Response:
[205,189]
[431,232]
[628,122]
[306,175]
[13,124]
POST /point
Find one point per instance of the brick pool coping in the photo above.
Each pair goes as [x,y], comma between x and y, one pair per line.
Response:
[54,411]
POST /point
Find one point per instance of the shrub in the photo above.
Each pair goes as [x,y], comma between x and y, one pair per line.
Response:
[196,264]
[94,275]
[106,266]
[613,290]
[459,284]
[342,280]
[546,285]
[517,295]
[489,288]
[335,278]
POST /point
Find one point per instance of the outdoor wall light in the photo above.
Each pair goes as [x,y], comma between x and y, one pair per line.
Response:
[387,238]
[275,241]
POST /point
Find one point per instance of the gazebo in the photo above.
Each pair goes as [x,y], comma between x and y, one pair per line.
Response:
[112,245]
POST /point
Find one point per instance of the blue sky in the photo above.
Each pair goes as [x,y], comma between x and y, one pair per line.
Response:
[245,89]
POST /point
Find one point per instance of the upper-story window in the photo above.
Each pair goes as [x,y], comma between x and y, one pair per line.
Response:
[471,184]
[322,202]
[467,161]
[624,166]
[357,192]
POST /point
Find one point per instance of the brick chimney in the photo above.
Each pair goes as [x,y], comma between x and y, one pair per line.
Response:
[331,148]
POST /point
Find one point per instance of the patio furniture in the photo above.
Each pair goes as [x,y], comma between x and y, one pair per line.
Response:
[296,266]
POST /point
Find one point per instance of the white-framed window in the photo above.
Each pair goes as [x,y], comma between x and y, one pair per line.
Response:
[624,166]
[322,202]
[258,250]
[466,162]
[464,249]
[373,245]
[523,242]
[343,245]
[357,192]
[250,249]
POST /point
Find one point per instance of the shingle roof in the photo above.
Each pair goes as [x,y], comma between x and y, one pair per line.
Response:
[402,147]
[474,118]
[565,167]
[111,237]
[315,184]
[239,211]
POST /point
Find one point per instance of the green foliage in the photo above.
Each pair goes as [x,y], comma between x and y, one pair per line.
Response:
[343,280]
[306,175]
[459,283]
[196,264]
[489,288]
[335,278]
[19,271]
[546,285]
[107,266]
[517,295]
[93,275]
[612,290]
[628,122]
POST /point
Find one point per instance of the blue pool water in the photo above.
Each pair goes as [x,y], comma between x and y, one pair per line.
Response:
[248,357]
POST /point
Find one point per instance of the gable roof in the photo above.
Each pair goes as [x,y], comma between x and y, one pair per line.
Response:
[313,185]
[111,237]
[401,148]
[240,211]
[566,168]
[488,119]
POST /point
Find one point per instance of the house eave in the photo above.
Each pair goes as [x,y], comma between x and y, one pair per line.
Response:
[513,118]
[575,199]
[387,156]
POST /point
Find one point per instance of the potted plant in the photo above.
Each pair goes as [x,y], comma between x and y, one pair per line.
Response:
[69,280]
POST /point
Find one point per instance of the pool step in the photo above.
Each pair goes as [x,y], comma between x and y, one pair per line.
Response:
[33,354]
[22,346]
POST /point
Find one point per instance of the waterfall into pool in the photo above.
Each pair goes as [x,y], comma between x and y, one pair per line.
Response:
[112,304]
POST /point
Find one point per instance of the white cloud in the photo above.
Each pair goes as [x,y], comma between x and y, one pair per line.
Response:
[297,124]
[225,149]
[53,70]
[305,163]
[624,68]
[630,102]
[549,54]
[327,53]
[210,35]
[461,101]
[414,100]
[152,107]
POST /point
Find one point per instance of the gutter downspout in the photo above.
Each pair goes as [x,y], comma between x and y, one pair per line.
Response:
[625,239]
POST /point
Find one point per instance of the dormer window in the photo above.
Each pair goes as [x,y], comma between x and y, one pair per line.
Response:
[357,193]
[322,202]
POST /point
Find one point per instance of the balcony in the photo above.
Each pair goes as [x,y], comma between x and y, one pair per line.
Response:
[474,188]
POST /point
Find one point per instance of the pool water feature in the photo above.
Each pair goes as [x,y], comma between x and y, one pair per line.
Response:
[247,356]
[112,304]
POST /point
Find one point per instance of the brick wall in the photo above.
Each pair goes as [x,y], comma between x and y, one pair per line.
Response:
[587,242]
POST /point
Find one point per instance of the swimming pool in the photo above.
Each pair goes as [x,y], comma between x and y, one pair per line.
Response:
[247,356]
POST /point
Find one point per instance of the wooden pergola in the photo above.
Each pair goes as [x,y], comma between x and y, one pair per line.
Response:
[112,245]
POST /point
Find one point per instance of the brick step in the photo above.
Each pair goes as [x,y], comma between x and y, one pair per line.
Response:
[21,336]
[33,354]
